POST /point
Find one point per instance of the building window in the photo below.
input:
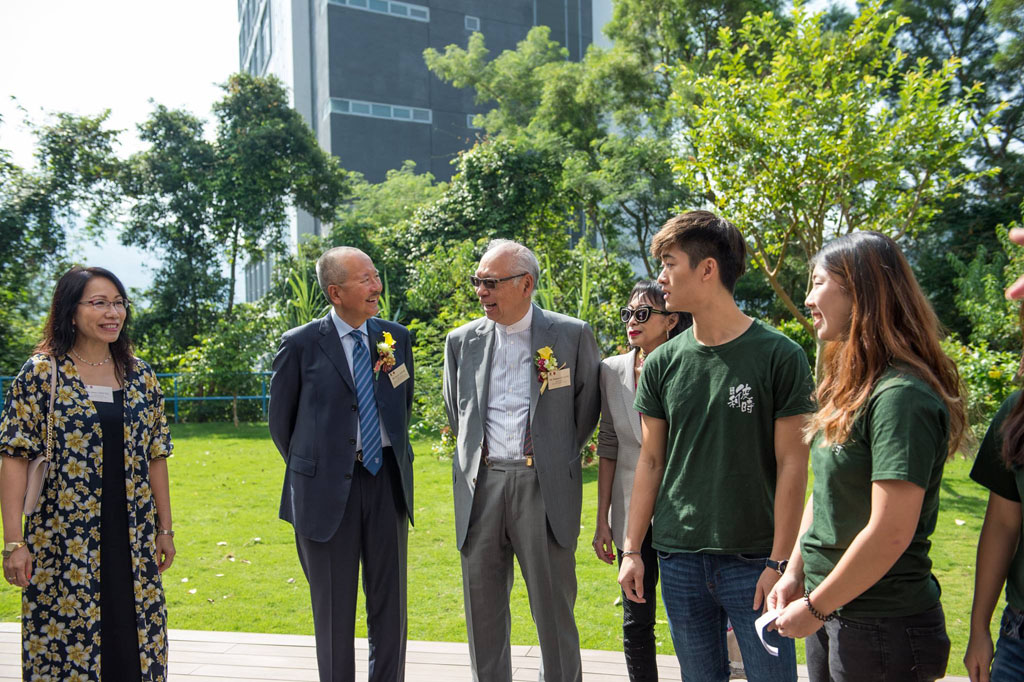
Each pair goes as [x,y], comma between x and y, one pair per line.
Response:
[472,23]
[255,36]
[393,7]
[469,122]
[394,112]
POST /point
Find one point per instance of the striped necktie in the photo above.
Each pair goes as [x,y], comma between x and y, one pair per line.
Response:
[369,422]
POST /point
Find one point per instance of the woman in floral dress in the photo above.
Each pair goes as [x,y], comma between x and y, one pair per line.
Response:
[90,558]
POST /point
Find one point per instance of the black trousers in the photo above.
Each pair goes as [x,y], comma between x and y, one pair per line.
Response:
[638,620]
[374,532]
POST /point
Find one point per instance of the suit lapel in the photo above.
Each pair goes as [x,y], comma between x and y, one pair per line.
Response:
[479,354]
[628,394]
[330,344]
[541,334]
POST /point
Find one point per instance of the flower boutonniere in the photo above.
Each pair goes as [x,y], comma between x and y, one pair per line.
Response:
[547,366]
[385,355]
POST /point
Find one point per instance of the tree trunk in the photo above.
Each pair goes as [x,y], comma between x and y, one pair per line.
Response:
[234,409]
[232,261]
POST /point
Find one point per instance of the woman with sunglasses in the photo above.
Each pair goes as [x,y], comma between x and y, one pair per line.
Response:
[648,325]
[859,584]
[99,535]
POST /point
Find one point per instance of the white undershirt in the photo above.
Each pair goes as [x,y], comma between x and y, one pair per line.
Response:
[508,391]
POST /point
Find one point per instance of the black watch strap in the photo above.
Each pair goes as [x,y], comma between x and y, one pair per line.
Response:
[777,566]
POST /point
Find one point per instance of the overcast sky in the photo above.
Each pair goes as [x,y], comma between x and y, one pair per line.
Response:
[84,57]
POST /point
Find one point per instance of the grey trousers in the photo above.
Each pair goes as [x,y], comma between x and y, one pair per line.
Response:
[507,520]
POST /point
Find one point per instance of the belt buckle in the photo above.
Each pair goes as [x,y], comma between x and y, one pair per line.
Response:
[359,455]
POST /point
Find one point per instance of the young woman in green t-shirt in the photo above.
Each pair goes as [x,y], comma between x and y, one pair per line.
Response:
[999,467]
[890,410]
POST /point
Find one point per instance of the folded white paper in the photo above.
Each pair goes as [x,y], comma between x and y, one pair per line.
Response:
[766,619]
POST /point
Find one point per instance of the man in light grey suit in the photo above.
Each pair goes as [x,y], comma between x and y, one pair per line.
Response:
[519,428]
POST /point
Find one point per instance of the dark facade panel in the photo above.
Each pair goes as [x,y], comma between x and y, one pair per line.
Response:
[374,146]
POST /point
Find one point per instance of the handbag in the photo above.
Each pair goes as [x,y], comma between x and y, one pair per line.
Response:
[39,466]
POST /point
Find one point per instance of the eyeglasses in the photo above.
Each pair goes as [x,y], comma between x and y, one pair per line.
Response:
[120,305]
[641,313]
[490,282]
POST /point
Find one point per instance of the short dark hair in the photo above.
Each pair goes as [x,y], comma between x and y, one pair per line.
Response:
[700,235]
[651,292]
[59,330]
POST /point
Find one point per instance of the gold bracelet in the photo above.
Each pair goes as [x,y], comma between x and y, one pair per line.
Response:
[165,532]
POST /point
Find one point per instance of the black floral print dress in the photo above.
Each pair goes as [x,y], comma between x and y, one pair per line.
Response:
[61,606]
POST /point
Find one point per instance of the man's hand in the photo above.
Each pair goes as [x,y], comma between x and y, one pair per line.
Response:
[769,576]
[603,543]
[631,578]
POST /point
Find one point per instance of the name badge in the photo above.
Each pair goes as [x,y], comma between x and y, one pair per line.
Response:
[559,379]
[398,375]
[100,394]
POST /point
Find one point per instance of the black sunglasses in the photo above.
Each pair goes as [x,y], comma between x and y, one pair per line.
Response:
[490,282]
[641,313]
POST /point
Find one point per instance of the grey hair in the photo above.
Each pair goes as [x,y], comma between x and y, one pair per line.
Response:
[329,269]
[523,259]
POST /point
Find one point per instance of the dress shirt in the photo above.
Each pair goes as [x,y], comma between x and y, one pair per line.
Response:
[508,391]
[349,344]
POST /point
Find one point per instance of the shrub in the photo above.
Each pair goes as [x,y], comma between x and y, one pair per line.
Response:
[989,378]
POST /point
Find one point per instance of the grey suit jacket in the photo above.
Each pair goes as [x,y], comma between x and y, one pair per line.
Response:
[619,436]
[314,415]
[561,420]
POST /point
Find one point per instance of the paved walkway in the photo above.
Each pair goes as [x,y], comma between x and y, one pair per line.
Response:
[200,656]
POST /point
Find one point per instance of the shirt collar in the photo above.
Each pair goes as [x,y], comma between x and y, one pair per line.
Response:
[344,327]
[516,327]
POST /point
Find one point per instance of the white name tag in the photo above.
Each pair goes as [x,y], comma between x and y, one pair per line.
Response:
[100,394]
[398,375]
[559,379]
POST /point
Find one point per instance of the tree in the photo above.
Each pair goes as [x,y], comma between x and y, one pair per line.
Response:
[796,140]
[267,158]
[73,179]
[172,187]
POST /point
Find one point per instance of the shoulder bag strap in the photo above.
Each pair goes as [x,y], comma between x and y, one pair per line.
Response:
[49,413]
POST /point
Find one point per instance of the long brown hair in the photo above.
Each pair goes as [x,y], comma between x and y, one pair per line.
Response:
[59,330]
[1013,425]
[891,323]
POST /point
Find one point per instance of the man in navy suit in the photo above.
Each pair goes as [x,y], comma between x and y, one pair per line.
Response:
[340,402]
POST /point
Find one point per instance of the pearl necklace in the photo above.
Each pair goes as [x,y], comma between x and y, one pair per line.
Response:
[91,364]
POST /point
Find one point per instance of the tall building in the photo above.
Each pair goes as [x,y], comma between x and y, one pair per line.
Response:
[355,71]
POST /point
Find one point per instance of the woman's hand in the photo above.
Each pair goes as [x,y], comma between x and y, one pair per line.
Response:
[18,567]
[787,590]
[796,620]
[603,542]
[164,552]
[978,659]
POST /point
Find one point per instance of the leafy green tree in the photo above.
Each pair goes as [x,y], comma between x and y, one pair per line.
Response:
[74,179]
[172,191]
[795,138]
[266,158]
[379,216]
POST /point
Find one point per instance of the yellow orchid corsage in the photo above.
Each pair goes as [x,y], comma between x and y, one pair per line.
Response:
[385,355]
[547,365]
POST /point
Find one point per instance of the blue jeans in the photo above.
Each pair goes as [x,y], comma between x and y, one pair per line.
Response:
[1008,664]
[700,593]
[893,649]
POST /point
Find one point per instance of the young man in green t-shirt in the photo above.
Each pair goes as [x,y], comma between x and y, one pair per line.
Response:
[723,465]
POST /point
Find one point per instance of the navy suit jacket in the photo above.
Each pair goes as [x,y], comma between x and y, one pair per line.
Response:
[314,416]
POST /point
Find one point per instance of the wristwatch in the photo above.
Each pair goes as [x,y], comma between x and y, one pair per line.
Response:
[778,566]
[12,547]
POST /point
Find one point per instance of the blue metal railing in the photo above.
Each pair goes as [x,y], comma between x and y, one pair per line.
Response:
[173,399]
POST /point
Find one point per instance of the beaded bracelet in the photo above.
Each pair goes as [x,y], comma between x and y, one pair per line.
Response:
[815,612]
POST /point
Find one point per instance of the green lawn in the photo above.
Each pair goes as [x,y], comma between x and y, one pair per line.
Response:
[237,569]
